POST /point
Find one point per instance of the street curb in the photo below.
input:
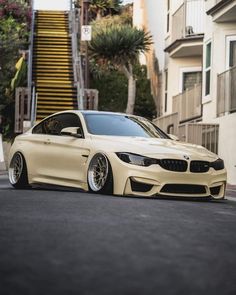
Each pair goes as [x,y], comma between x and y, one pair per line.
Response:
[230,191]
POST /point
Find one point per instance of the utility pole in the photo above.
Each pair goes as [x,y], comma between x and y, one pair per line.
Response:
[85,22]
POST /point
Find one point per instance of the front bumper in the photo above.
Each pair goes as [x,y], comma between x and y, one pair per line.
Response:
[154,180]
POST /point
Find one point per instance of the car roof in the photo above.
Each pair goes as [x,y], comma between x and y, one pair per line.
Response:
[94,112]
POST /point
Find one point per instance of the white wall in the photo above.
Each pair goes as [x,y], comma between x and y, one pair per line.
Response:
[63,5]
[217,33]
[156,14]
[227,144]
[175,68]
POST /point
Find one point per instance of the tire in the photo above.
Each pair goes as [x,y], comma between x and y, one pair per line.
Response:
[100,178]
[18,175]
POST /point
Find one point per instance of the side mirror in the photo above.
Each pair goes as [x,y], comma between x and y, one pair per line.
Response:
[72,131]
[173,137]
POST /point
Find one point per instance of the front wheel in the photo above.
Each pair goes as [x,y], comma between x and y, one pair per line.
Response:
[100,179]
[18,175]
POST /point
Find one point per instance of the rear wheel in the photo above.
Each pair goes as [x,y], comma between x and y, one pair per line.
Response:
[18,175]
[100,179]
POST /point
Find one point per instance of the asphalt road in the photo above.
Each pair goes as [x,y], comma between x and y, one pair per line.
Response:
[68,242]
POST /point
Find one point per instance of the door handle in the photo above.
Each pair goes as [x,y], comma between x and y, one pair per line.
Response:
[47,141]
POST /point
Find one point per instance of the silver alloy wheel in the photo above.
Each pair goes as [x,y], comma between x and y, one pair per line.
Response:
[98,172]
[16,168]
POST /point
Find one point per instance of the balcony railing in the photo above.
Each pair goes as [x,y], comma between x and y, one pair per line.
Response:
[168,123]
[188,20]
[189,103]
[226,92]
[206,135]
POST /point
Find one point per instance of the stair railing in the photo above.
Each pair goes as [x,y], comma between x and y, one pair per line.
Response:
[30,66]
[77,66]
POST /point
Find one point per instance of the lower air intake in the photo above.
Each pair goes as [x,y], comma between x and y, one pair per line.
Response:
[140,187]
[215,190]
[190,189]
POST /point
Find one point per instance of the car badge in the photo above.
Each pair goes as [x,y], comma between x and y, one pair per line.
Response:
[186,157]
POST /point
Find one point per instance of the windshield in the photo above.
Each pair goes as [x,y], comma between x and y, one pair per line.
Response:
[121,125]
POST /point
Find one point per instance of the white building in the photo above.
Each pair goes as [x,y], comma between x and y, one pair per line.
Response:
[195,45]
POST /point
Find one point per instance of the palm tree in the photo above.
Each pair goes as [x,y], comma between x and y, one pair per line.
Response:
[120,45]
[102,8]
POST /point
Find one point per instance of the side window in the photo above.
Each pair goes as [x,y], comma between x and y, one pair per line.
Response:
[38,129]
[208,69]
[70,120]
[55,124]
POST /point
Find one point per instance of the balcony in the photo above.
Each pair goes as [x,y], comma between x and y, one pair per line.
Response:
[222,10]
[226,92]
[187,30]
[188,104]
[168,123]
[206,135]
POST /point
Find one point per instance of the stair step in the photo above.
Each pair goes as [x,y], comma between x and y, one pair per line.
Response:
[51,38]
[53,59]
[51,12]
[54,45]
[45,79]
[59,18]
[53,69]
[49,33]
[52,25]
[52,51]
[54,74]
[58,97]
[55,63]
[51,16]
[56,87]
[54,109]
[44,93]
[48,81]
[59,71]
[52,41]
[45,57]
[58,103]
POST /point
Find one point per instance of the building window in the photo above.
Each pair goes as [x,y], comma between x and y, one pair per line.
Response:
[166,90]
[231,51]
[190,79]
[208,69]
[168,17]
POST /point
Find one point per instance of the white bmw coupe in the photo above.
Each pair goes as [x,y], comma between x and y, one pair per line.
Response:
[113,153]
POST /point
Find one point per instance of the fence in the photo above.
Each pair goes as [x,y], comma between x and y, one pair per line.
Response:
[168,123]
[90,99]
[189,103]
[22,107]
[226,92]
[206,135]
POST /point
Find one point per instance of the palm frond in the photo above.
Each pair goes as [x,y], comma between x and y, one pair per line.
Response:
[119,44]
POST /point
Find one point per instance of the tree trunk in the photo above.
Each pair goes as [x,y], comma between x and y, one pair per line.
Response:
[131,95]
[99,14]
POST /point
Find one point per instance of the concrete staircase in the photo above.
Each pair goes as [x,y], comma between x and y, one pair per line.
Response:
[52,64]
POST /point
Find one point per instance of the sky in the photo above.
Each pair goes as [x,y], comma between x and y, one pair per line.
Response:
[127,1]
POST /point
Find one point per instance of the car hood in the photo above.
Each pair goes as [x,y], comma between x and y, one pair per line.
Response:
[152,147]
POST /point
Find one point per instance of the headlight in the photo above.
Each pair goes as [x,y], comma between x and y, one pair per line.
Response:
[136,159]
[218,164]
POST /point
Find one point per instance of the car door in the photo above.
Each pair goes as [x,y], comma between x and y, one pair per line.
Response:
[62,159]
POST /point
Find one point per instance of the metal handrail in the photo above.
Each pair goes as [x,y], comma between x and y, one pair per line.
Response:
[30,62]
[77,67]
